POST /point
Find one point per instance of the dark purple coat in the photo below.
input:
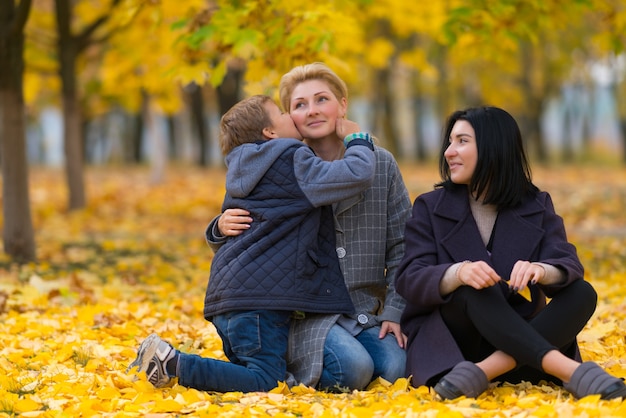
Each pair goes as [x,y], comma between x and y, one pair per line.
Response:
[441,232]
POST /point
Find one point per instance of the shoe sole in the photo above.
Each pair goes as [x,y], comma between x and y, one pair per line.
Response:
[447,390]
[619,392]
[144,356]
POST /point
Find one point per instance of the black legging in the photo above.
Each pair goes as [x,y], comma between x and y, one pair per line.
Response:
[482,321]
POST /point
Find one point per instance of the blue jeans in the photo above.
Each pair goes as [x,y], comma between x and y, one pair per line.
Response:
[353,362]
[255,342]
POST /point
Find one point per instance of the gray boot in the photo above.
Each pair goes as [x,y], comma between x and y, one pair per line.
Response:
[591,379]
[465,379]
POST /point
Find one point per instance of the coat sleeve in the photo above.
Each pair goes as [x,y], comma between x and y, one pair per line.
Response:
[419,272]
[327,182]
[398,211]
[211,235]
[557,250]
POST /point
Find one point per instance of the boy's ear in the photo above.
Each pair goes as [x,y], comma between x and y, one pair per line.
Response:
[269,133]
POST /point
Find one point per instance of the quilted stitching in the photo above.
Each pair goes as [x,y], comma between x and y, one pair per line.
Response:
[281,262]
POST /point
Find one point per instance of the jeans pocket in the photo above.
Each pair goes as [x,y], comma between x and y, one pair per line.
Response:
[244,334]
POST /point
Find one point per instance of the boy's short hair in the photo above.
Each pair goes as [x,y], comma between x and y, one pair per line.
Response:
[244,122]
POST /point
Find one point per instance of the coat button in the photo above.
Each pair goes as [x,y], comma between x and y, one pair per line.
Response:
[362,319]
[341,252]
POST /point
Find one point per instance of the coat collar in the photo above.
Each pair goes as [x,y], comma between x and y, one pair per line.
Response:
[346,204]
[454,204]
[516,236]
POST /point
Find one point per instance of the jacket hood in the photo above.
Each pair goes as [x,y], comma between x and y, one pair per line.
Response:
[248,163]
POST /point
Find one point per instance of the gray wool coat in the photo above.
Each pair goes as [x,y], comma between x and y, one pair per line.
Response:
[370,244]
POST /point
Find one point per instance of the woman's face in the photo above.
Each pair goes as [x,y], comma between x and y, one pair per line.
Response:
[315,109]
[462,153]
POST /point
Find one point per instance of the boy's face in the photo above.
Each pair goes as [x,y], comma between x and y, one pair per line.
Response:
[282,124]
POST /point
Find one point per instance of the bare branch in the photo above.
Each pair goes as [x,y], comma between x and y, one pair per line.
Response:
[21,17]
[101,40]
[108,36]
[19,20]
[83,39]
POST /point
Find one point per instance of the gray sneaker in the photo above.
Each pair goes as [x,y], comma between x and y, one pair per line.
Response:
[152,356]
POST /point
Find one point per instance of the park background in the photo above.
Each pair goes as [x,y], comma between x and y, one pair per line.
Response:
[111,171]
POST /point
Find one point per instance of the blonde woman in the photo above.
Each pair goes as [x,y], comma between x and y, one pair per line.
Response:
[345,351]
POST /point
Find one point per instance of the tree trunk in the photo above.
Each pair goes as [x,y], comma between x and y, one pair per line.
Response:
[69,46]
[386,110]
[418,120]
[622,125]
[138,128]
[73,147]
[568,135]
[157,144]
[18,235]
[444,89]
[68,50]
[618,89]
[199,122]
[530,122]
[172,149]
[228,94]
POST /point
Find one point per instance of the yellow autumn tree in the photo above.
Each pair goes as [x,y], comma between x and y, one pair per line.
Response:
[400,59]
[152,49]
[516,54]
[89,55]
[271,36]
[63,33]
[146,58]
[458,53]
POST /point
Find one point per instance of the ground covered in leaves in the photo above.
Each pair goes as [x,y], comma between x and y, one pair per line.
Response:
[135,262]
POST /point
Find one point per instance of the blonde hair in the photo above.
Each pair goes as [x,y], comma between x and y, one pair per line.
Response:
[244,122]
[313,71]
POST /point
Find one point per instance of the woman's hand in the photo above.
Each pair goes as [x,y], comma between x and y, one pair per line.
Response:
[388,327]
[477,274]
[233,222]
[525,272]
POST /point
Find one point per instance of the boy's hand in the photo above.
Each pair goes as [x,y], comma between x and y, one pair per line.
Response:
[345,127]
[233,222]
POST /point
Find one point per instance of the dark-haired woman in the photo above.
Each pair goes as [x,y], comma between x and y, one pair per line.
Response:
[484,237]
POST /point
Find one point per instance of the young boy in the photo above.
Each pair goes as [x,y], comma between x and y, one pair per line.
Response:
[285,263]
